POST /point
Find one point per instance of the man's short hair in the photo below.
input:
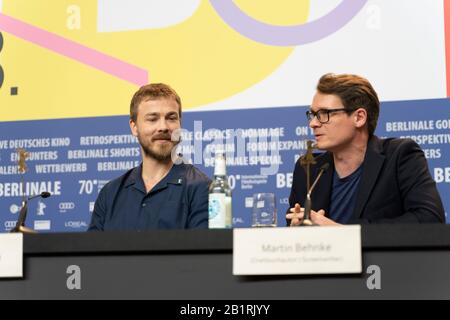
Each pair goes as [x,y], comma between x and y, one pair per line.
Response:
[153,91]
[355,92]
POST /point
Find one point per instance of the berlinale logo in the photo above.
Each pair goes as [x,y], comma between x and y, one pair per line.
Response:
[40,208]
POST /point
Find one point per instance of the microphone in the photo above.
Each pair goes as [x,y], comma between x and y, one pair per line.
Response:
[44,195]
[20,225]
[306,221]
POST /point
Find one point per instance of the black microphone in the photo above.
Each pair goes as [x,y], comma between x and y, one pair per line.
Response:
[44,195]
[307,213]
[20,225]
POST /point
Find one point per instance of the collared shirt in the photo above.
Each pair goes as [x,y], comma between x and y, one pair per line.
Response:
[178,201]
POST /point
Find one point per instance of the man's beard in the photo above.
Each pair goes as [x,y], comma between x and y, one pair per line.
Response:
[159,152]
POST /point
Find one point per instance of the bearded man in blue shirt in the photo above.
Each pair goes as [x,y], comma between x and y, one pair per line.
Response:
[158,194]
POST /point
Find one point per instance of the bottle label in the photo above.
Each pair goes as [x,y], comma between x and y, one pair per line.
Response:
[217,209]
[228,213]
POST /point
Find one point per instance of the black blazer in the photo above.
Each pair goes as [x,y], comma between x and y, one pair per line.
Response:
[395,186]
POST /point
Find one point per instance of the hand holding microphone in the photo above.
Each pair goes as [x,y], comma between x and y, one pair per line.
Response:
[302,216]
[297,212]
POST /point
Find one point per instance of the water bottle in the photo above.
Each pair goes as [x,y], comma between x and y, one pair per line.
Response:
[219,199]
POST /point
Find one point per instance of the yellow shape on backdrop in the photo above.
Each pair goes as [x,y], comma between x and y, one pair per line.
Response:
[202,58]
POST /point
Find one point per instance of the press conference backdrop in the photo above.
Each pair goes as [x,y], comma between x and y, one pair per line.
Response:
[245,70]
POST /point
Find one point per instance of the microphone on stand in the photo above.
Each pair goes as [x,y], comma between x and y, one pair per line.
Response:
[20,225]
[306,221]
[44,195]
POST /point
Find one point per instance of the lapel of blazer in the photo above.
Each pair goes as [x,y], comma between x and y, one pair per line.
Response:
[372,165]
[322,192]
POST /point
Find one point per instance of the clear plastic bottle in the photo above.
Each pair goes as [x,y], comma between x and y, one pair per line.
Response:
[219,202]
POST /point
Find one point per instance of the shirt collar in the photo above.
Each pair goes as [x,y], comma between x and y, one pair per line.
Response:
[175,176]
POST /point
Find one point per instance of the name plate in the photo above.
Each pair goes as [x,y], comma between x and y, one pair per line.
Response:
[11,255]
[297,250]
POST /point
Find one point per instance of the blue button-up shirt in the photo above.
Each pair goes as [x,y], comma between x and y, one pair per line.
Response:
[178,201]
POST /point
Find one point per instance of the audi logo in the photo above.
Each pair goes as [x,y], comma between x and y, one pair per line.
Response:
[66,206]
[10,224]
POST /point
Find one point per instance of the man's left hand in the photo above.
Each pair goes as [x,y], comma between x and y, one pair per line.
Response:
[319,218]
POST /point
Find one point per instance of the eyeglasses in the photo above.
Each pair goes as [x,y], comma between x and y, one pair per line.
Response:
[323,115]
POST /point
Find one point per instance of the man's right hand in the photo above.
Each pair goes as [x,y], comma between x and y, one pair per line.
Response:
[295,215]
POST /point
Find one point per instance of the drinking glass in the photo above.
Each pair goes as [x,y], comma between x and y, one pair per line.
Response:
[264,212]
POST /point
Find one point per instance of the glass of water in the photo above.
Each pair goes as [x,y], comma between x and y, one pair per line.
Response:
[264,212]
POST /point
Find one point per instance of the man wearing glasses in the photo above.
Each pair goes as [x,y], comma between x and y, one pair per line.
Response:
[369,180]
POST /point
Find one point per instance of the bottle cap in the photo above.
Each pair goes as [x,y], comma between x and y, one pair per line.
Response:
[220,166]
